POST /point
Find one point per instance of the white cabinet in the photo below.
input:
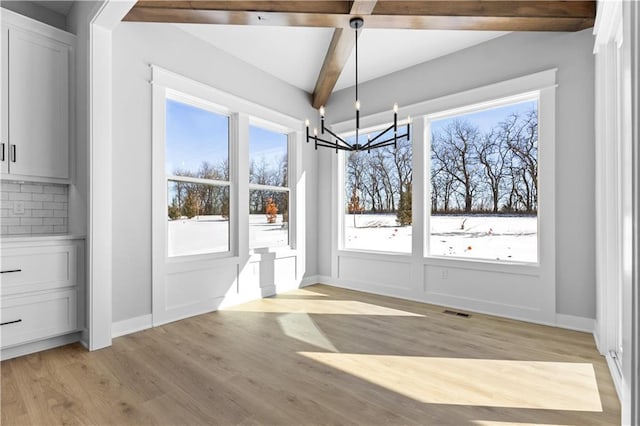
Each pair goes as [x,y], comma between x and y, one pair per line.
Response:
[37,316]
[41,292]
[4,128]
[36,99]
[39,267]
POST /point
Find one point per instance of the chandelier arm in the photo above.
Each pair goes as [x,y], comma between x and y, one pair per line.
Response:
[338,137]
[379,135]
[334,146]
[389,142]
[386,142]
[319,139]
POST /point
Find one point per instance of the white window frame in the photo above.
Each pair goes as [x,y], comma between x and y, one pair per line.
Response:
[203,104]
[291,141]
[341,200]
[429,118]
[543,83]
[241,113]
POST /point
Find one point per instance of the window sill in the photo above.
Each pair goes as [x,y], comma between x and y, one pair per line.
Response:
[382,255]
[485,265]
[203,257]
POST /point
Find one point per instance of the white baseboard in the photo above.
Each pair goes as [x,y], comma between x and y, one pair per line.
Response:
[233,299]
[596,338]
[310,280]
[144,322]
[571,322]
[131,325]
[41,345]
[325,279]
[616,376]
[84,338]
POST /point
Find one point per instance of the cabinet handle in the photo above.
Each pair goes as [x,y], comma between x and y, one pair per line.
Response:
[13,153]
[2,152]
[8,271]
[11,322]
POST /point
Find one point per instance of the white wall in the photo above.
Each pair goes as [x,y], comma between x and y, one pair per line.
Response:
[78,21]
[135,46]
[37,12]
[616,52]
[511,56]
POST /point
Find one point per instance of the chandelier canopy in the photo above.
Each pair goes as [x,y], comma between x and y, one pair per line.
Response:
[384,138]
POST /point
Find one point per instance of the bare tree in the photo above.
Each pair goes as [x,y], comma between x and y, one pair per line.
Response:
[458,157]
[520,134]
[493,155]
[381,164]
[443,184]
[356,165]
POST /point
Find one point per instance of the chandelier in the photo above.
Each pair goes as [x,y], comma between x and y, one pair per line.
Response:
[382,139]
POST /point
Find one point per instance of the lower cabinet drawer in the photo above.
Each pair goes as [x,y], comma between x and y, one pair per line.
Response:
[26,269]
[38,316]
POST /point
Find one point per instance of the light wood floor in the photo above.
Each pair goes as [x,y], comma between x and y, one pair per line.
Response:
[321,355]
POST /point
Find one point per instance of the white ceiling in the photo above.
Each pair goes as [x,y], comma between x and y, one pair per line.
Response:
[295,54]
[292,54]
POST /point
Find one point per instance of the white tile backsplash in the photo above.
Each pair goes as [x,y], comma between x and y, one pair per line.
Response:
[33,208]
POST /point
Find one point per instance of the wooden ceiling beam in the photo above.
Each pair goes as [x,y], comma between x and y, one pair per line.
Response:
[478,23]
[286,6]
[340,49]
[490,8]
[362,7]
[477,8]
[478,15]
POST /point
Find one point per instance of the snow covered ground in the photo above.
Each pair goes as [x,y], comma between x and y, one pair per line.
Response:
[198,235]
[509,238]
[263,234]
[210,234]
[483,237]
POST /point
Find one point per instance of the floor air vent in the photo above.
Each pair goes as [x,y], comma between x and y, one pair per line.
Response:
[458,314]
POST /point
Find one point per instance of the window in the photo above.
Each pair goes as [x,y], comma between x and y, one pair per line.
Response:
[197,174]
[377,198]
[484,183]
[210,212]
[268,188]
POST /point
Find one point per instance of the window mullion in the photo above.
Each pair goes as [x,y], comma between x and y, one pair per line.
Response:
[189,179]
[293,162]
[420,189]
[240,144]
[268,187]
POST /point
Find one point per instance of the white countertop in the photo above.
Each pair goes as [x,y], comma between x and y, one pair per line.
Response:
[22,238]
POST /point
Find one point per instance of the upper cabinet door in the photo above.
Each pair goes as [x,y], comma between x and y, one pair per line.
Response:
[4,126]
[38,105]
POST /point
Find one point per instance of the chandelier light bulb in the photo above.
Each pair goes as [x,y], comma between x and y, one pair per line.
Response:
[306,122]
[395,108]
[358,105]
[322,111]
[315,131]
